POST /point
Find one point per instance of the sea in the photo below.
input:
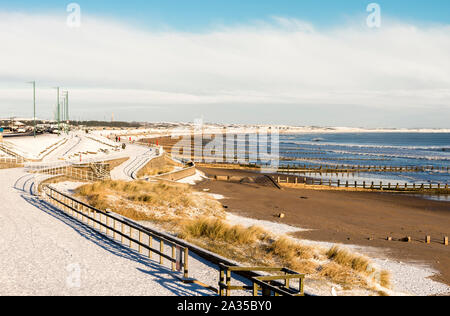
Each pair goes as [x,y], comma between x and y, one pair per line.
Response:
[372,149]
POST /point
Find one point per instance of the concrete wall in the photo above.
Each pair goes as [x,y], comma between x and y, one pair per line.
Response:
[177,175]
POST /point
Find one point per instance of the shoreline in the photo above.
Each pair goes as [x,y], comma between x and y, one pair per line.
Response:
[363,219]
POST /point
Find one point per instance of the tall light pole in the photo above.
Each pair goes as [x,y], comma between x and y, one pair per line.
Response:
[65,95]
[34,105]
[67,105]
[58,110]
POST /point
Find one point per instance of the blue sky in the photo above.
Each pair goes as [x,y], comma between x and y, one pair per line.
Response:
[195,15]
[256,61]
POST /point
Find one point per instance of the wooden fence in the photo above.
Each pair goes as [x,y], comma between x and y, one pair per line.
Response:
[122,231]
[169,249]
[85,172]
[438,187]
[358,168]
[266,284]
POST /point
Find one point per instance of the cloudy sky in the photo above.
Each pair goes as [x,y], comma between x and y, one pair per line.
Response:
[281,62]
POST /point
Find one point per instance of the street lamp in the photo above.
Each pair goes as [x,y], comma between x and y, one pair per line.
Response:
[65,109]
[34,105]
[66,106]
[58,110]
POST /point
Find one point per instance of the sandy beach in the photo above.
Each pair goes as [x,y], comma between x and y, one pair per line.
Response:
[353,218]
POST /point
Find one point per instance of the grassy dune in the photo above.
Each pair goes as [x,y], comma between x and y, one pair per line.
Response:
[199,219]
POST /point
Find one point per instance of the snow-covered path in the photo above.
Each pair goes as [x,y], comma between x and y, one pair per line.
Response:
[139,156]
[43,252]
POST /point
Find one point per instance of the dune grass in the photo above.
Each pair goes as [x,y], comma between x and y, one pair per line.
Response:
[175,207]
[218,230]
[358,263]
[158,166]
[143,200]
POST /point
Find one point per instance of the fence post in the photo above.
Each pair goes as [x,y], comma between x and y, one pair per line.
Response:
[228,282]
[173,257]
[186,263]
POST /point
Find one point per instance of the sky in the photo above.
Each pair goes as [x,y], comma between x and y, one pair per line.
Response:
[272,62]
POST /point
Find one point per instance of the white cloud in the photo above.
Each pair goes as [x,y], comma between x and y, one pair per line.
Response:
[106,64]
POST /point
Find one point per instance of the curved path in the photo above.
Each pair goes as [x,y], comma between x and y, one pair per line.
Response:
[139,156]
[44,252]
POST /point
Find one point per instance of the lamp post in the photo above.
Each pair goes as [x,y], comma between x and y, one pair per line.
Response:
[58,115]
[34,106]
[66,107]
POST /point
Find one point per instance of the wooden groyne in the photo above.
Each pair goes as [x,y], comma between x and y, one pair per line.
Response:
[360,168]
[435,188]
[326,169]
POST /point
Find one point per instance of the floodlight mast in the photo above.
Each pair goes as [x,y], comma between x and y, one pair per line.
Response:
[34,106]
[65,95]
[58,115]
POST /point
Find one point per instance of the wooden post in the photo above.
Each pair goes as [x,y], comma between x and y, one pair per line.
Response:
[186,263]
[173,257]
[222,280]
[228,282]
[428,239]
[255,289]
[446,240]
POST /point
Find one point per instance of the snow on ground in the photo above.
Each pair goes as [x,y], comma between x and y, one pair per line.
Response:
[410,278]
[276,228]
[88,148]
[76,143]
[60,256]
[31,147]
[67,187]
[192,180]
[4,155]
[139,156]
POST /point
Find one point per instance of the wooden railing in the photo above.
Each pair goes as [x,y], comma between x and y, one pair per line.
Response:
[72,171]
[122,230]
[266,285]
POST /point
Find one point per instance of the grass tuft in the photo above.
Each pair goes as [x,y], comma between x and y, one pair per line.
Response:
[218,230]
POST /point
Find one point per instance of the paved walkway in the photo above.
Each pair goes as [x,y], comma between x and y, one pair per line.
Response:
[43,252]
[139,156]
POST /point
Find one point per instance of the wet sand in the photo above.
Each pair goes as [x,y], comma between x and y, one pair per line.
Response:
[347,217]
